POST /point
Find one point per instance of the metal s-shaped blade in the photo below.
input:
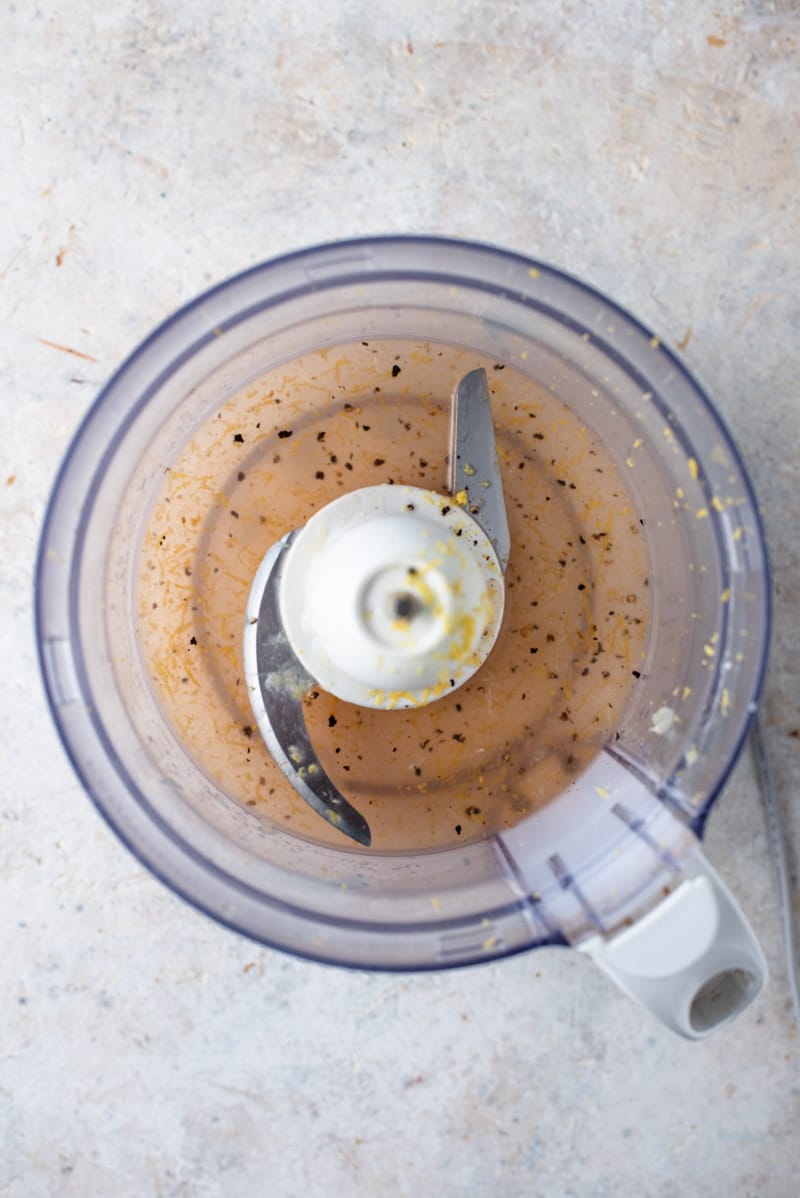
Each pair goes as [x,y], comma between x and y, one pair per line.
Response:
[280,682]
[276,677]
[474,465]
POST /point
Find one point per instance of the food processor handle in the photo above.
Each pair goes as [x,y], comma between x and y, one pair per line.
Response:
[693,960]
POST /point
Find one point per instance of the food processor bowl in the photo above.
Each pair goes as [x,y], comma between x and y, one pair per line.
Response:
[612,864]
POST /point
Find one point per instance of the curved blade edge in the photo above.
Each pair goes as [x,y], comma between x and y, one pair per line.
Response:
[277,687]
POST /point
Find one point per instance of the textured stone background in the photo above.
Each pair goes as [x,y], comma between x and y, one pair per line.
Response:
[149,149]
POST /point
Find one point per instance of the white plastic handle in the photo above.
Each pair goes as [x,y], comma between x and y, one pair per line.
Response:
[693,960]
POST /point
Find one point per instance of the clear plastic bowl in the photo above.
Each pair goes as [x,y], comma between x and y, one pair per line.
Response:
[578,865]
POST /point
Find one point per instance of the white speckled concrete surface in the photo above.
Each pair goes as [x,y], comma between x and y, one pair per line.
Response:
[149,149]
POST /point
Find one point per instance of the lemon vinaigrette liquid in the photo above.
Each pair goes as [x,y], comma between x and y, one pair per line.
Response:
[574,629]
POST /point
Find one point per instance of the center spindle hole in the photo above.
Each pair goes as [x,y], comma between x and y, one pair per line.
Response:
[405,606]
